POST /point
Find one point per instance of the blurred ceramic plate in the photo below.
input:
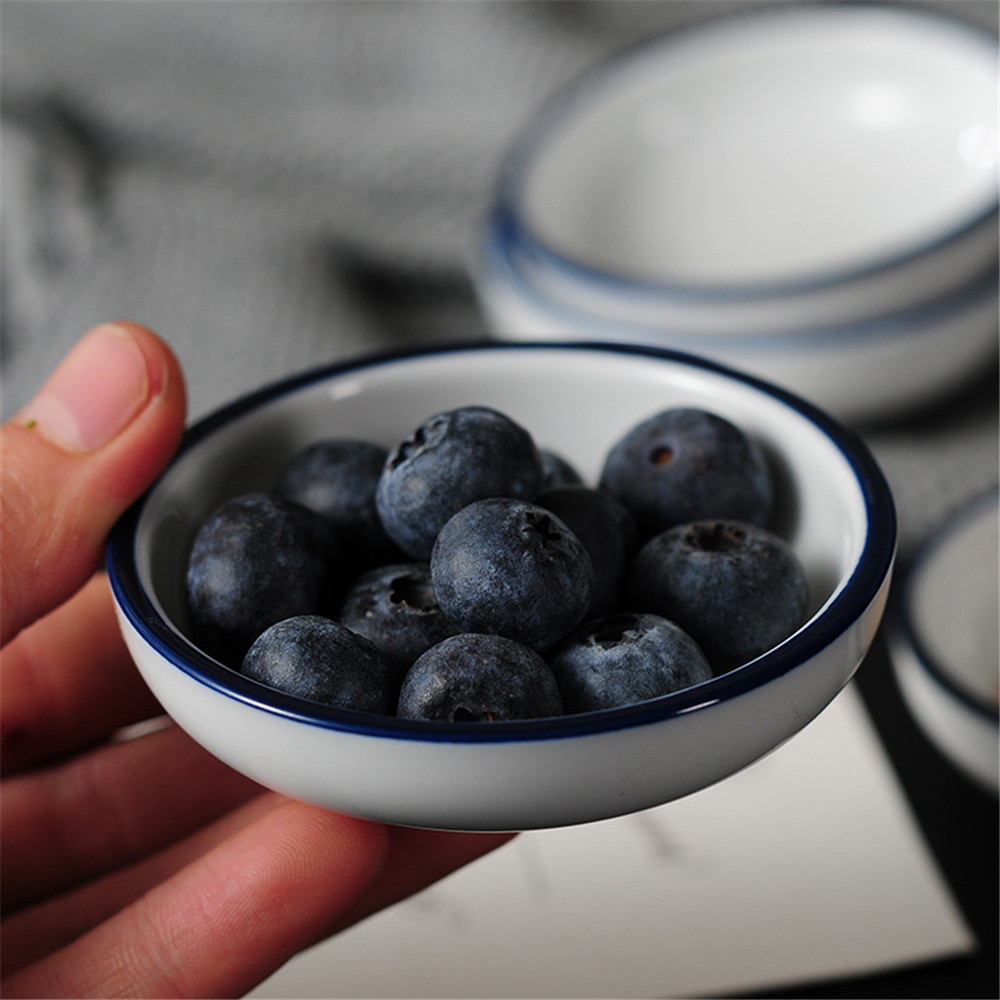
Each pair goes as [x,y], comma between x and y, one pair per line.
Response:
[859,372]
[836,160]
[943,640]
[805,192]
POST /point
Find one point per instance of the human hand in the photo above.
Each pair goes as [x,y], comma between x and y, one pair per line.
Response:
[141,866]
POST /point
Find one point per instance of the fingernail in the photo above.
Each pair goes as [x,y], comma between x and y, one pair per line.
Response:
[95,392]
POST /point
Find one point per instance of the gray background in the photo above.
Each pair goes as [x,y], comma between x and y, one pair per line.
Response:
[274,185]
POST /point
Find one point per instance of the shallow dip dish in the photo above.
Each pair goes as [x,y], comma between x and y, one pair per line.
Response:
[833,506]
[804,191]
[799,163]
[944,644]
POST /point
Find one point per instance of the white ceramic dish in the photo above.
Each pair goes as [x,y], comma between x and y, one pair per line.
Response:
[825,162]
[833,505]
[858,372]
[945,645]
[807,192]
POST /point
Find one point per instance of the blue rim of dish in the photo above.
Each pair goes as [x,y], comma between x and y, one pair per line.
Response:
[561,105]
[867,578]
[498,263]
[904,620]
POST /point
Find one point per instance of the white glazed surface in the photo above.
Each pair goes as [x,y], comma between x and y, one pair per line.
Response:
[796,148]
[576,401]
[937,274]
[945,645]
[857,372]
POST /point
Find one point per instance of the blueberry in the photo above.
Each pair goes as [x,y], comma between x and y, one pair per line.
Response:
[625,658]
[556,470]
[608,531]
[337,478]
[256,560]
[394,606]
[512,568]
[312,657]
[735,588]
[450,460]
[685,465]
[479,678]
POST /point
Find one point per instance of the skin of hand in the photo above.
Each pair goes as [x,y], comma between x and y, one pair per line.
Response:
[141,867]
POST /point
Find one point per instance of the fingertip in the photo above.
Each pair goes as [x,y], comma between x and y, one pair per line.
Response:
[112,374]
[342,846]
[165,373]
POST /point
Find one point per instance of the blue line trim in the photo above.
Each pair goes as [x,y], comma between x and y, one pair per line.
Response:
[498,261]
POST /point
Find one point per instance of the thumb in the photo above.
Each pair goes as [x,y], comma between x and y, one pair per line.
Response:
[96,435]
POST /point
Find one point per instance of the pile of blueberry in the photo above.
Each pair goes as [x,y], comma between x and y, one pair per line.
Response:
[469,575]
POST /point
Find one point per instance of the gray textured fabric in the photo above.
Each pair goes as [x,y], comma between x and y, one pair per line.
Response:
[273,185]
[266,184]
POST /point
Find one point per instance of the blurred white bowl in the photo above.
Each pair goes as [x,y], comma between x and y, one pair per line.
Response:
[832,505]
[944,641]
[795,168]
[859,372]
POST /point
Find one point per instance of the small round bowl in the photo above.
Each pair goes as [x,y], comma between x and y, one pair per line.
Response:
[830,161]
[859,372]
[832,504]
[770,189]
[944,641]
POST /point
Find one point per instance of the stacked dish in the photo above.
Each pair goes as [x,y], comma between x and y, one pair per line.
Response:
[807,193]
